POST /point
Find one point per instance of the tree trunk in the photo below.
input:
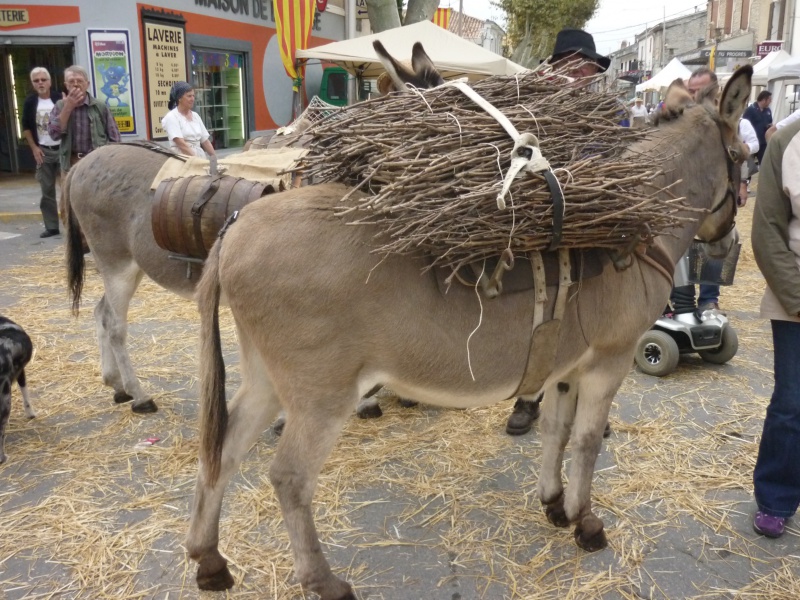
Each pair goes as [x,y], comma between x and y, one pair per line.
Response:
[420,10]
[383,15]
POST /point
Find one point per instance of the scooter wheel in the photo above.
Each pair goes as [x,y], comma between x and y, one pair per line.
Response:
[657,353]
[729,345]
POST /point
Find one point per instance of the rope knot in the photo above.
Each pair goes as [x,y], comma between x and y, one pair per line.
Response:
[525,156]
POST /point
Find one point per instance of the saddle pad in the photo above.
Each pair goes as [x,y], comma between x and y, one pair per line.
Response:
[585,265]
[254,165]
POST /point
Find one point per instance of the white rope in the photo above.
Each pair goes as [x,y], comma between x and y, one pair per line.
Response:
[480,320]
[525,155]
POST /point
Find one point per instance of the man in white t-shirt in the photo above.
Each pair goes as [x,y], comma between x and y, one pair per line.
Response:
[35,117]
[639,114]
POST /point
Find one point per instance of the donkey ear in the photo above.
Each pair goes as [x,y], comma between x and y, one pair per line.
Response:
[424,67]
[736,95]
[398,73]
[676,100]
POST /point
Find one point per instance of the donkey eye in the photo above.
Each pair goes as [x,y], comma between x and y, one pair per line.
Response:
[735,153]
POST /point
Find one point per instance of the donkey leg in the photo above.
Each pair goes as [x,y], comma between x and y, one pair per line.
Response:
[307,440]
[558,415]
[111,318]
[108,364]
[251,410]
[596,389]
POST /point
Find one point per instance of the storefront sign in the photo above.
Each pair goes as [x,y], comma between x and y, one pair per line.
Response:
[263,9]
[767,47]
[165,57]
[12,17]
[728,53]
[110,57]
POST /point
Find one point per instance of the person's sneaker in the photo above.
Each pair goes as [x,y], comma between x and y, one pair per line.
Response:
[769,526]
[521,419]
[708,310]
[49,233]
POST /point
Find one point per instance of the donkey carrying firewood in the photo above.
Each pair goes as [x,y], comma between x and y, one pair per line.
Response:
[316,359]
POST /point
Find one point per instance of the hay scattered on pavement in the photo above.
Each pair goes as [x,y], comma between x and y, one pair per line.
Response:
[85,514]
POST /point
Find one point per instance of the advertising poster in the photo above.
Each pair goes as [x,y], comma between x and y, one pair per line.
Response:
[165,54]
[109,53]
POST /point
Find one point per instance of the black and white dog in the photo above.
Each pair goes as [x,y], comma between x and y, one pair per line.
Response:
[16,350]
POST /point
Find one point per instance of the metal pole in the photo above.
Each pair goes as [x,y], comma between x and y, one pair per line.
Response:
[664,38]
[460,17]
[349,34]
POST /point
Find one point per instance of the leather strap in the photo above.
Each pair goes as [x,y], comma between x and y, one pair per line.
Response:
[558,208]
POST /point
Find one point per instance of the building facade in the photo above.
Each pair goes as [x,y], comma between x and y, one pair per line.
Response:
[227,49]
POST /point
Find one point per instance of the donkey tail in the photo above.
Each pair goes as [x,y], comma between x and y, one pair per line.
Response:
[213,408]
[76,266]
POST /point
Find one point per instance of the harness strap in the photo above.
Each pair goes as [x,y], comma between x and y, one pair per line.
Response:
[655,256]
[545,334]
[558,208]
[208,192]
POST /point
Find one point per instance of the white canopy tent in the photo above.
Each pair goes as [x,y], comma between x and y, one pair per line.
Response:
[675,69]
[780,76]
[452,55]
[761,68]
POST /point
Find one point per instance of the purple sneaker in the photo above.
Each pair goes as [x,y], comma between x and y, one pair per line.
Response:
[769,526]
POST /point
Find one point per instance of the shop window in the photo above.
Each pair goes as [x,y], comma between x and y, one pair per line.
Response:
[218,80]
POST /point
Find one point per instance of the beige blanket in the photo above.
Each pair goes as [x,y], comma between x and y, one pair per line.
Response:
[266,166]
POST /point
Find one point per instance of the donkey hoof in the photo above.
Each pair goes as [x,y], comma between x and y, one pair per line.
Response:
[121,397]
[589,534]
[408,403]
[371,411]
[557,515]
[148,406]
[215,582]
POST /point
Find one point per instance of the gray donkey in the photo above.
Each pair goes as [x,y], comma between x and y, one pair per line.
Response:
[313,326]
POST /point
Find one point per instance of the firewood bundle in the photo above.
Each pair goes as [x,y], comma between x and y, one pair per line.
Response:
[432,164]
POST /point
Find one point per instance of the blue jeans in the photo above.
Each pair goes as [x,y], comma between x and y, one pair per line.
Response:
[776,477]
[682,297]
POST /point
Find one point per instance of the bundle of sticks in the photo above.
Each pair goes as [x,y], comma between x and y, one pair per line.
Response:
[432,163]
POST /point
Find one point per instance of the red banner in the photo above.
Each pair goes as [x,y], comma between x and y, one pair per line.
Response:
[293,20]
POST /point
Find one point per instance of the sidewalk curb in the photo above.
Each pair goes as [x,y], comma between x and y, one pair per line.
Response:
[7,217]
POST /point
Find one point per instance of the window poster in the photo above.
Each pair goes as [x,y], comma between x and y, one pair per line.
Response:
[165,55]
[110,56]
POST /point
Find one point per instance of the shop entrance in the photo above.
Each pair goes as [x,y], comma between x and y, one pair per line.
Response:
[218,78]
[15,85]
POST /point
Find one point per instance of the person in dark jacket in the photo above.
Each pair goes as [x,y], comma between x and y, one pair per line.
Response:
[760,116]
[35,118]
[80,122]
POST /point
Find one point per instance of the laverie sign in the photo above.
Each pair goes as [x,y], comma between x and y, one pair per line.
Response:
[11,17]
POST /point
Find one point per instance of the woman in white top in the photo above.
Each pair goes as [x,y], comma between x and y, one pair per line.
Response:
[185,129]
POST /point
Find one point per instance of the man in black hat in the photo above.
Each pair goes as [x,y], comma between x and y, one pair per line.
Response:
[574,51]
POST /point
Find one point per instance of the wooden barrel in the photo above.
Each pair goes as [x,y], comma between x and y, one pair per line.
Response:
[188,212]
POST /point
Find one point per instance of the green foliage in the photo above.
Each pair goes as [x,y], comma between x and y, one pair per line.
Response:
[533,24]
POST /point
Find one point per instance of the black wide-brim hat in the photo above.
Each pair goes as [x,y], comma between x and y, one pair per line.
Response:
[577,41]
